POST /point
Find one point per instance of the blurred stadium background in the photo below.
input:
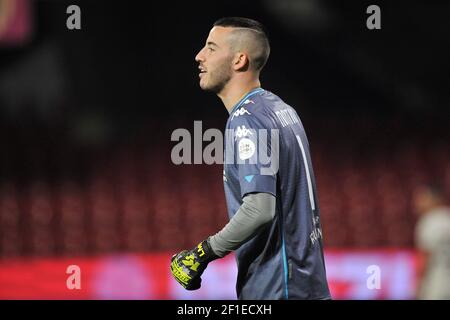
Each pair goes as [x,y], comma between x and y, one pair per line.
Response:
[86,118]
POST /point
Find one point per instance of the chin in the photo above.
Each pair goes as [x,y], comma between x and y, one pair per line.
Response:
[206,87]
[203,85]
[212,87]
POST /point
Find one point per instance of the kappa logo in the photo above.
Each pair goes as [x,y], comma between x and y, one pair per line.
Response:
[248,101]
[240,112]
[242,132]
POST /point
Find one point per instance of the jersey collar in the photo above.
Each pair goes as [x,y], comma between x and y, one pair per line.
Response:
[248,95]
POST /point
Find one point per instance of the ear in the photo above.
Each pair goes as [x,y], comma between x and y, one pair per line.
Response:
[240,61]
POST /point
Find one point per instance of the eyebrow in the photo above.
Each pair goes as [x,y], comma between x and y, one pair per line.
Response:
[211,43]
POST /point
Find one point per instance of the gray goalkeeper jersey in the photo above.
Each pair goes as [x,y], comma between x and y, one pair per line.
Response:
[284,260]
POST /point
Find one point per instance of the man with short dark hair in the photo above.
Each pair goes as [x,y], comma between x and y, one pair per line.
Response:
[274,226]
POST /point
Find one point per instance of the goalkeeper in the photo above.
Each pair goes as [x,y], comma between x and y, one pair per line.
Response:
[274,226]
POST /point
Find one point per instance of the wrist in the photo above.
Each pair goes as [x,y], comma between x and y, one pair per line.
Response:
[205,252]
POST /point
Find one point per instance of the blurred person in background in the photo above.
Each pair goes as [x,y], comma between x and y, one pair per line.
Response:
[432,236]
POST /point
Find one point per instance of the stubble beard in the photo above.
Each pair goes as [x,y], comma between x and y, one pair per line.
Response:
[219,79]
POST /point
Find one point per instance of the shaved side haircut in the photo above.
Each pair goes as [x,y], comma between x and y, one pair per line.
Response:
[249,35]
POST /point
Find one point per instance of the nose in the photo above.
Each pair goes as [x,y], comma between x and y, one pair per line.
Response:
[199,57]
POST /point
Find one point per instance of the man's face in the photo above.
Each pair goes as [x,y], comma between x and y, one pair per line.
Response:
[215,60]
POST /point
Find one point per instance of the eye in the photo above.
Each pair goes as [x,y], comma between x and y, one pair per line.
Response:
[210,49]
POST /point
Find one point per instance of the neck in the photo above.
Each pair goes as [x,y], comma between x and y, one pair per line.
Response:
[235,91]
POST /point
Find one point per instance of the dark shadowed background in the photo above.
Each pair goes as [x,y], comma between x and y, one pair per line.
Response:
[86,118]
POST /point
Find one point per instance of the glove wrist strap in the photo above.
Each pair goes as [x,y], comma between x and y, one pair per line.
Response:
[205,253]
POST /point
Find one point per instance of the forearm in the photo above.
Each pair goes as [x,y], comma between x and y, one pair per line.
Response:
[256,210]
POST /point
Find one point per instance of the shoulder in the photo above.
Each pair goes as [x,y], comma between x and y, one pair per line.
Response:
[257,111]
